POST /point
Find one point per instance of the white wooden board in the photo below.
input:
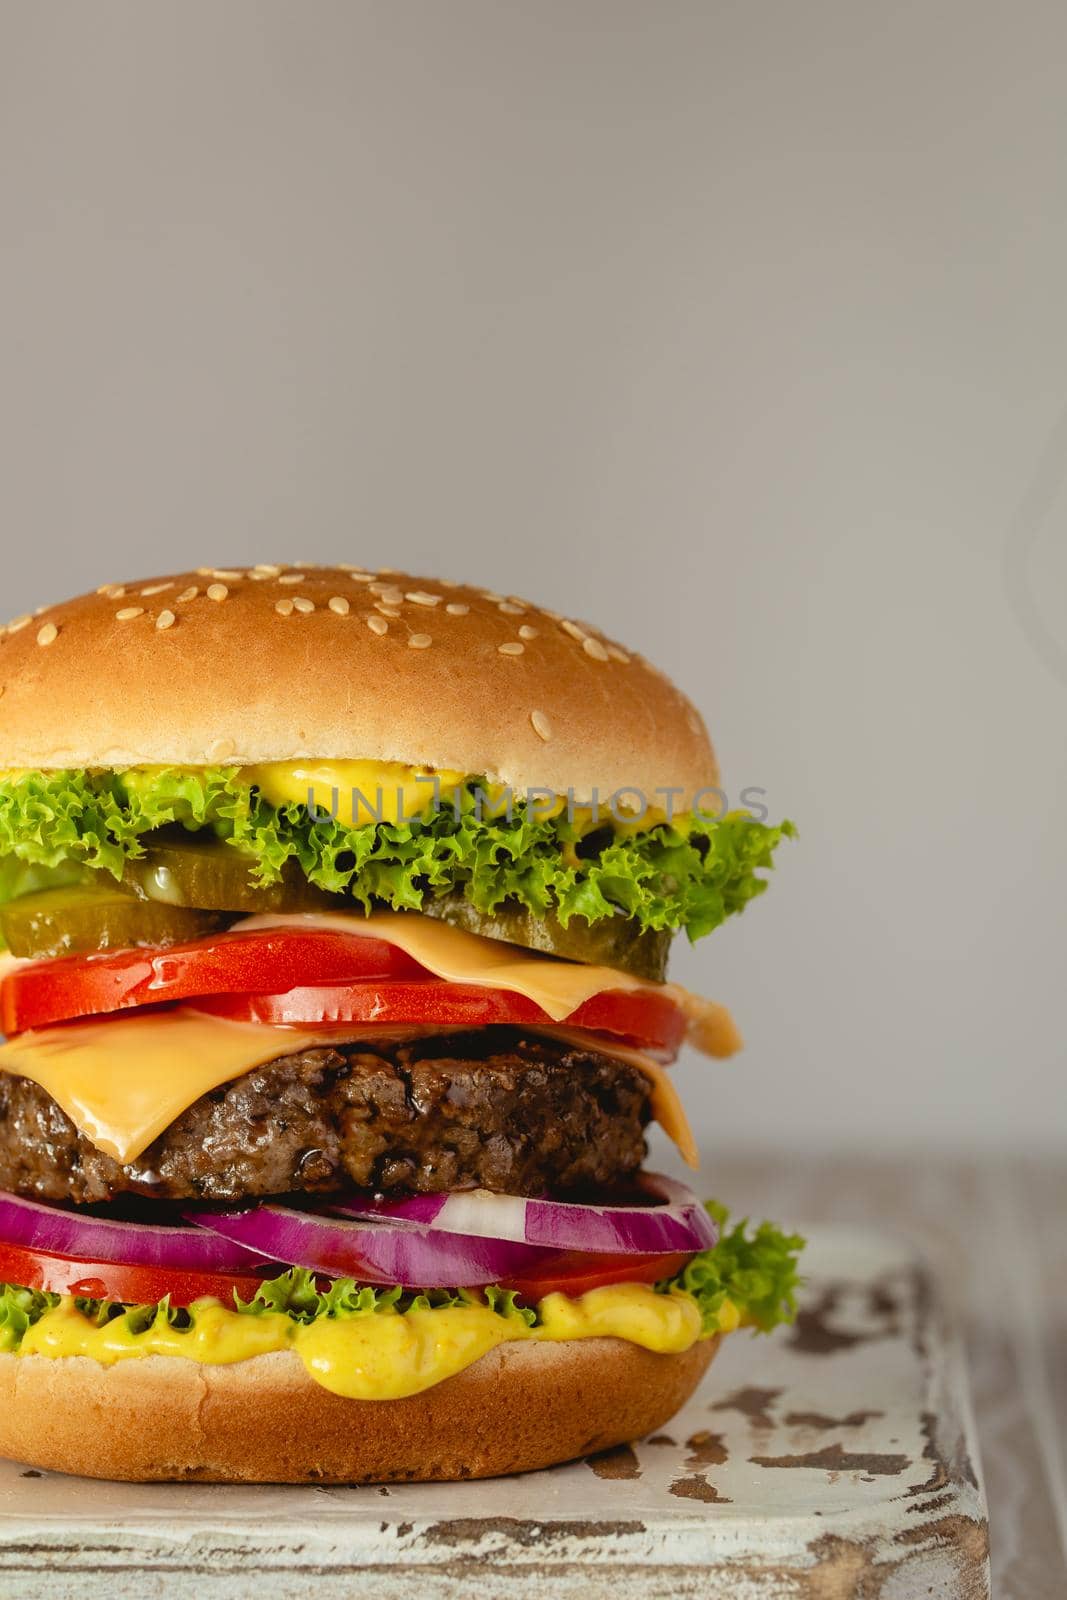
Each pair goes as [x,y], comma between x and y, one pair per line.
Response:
[834,1460]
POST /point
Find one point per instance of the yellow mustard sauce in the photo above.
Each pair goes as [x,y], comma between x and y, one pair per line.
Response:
[359,792]
[378,1355]
[362,792]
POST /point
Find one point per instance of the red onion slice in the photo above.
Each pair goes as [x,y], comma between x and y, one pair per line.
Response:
[373,1252]
[675,1221]
[131,1244]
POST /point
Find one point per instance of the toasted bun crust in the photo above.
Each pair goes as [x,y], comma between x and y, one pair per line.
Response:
[521,1407]
[201,668]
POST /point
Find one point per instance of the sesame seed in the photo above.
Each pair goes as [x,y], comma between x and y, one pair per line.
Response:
[303,604]
[114,591]
[205,572]
[456,608]
[284,608]
[156,588]
[219,749]
[420,641]
[386,611]
[339,604]
[166,619]
[19,622]
[419,597]
[40,611]
[594,648]
[510,609]
[377,625]
[292,577]
[512,648]
[217,591]
[225,572]
[128,613]
[358,577]
[391,595]
[618,655]
[265,569]
[487,594]
[541,725]
[526,632]
[46,634]
[575,629]
[188,594]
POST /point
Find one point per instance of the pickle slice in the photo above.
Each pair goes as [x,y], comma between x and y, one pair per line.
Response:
[59,922]
[615,942]
[212,876]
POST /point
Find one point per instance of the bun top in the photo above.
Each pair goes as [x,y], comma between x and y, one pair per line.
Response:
[233,667]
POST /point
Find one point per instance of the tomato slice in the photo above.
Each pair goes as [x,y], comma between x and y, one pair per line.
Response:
[108,1280]
[641,1017]
[574,1272]
[44,992]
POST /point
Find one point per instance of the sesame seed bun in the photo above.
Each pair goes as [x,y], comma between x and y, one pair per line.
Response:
[272,663]
[521,1407]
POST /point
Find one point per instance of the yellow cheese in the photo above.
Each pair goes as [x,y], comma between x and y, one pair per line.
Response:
[123,1079]
[378,1355]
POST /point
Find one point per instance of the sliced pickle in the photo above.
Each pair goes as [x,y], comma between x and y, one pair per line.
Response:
[58,922]
[213,876]
[615,942]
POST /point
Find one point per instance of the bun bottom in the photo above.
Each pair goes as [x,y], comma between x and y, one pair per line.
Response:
[264,1420]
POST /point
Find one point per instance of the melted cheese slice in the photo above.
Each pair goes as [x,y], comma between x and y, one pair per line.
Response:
[122,1080]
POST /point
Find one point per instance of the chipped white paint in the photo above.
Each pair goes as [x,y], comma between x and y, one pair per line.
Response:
[807,1465]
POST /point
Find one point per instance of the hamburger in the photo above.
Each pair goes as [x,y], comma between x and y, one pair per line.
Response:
[336,908]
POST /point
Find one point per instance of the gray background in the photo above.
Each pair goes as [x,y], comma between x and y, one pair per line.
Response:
[736,327]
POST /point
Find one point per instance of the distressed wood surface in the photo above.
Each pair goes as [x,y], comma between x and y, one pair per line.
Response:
[836,1460]
[1000,1228]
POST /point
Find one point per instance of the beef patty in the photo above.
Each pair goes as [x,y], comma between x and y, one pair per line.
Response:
[495,1109]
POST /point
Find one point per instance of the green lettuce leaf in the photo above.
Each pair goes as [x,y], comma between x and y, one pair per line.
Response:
[692,873]
[19,1310]
[755,1270]
[294,1293]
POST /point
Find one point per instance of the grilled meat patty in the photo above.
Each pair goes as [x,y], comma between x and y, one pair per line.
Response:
[495,1109]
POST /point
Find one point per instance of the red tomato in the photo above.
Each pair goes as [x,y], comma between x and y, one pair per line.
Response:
[107,1280]
[229,963]
[641,1016]
[575,1271]
[572,1273]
